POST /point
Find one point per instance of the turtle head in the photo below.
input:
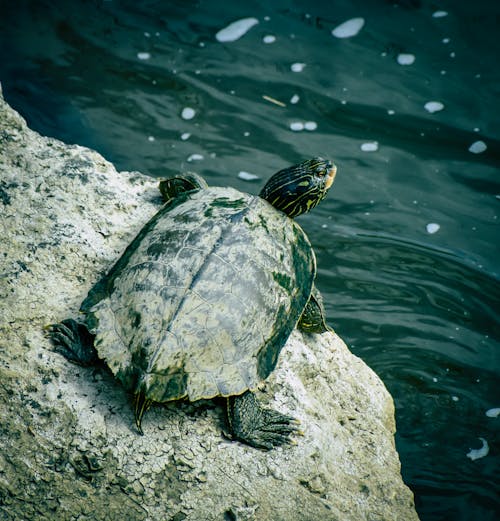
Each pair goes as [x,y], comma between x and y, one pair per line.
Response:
[174,186]
[297,189]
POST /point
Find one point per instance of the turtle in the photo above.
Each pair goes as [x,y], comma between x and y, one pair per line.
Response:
[202,301]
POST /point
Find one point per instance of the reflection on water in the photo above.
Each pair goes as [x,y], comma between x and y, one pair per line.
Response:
[407,242]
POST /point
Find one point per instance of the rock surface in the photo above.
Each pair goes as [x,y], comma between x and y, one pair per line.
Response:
[69,448]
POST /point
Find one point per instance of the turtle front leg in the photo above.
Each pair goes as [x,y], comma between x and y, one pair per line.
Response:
[73,340]
[313,316]
[258,426]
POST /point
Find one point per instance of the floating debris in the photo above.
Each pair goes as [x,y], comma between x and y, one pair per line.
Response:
[297,126]
[294,99]
[185,136]
[474,454]
[371,146]
[432,227]
[439,14]
[188,113]
[195,157]
[493,413]
[143,55]
[273,100]
[433,106]
[269,38]
[405,59]
[349,28]
[247,176]
[298,67]
[478,147]
[236,30]
[151,138]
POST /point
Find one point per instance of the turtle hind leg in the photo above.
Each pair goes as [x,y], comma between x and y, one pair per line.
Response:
[73,340]
[258,426]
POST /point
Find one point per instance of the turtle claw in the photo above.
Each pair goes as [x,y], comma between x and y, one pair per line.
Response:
[141,405]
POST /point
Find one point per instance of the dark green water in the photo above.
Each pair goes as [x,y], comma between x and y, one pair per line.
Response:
[420,308]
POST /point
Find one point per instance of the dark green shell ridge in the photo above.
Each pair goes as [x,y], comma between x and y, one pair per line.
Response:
[268,356]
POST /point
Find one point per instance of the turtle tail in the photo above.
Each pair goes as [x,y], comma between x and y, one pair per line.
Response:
[141,405]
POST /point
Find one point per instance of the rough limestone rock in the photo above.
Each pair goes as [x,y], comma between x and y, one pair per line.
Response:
[69,447]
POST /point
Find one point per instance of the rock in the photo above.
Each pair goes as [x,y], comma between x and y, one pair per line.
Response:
[69,445]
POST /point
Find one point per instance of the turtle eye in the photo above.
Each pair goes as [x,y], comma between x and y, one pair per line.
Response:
[322,167]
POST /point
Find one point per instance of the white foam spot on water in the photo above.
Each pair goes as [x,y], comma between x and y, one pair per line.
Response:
[143,55]
[236,30]
[294,99]
[433,106]
[474,454]
[445,40]
[478,147]
[188,113]
[349,28]
[247,176]
[185,136]
[151,138]
[310,125]
[297,126]
[432,227]
[195,157]
[371,146]
[391,112]
[269,38]
[405,59]
[439,14]
[246,134]
[298,67]
[493,413]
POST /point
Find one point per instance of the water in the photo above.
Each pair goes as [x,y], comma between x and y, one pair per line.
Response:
[407,106]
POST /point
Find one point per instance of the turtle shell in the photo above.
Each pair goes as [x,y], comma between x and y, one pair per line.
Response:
[202,301]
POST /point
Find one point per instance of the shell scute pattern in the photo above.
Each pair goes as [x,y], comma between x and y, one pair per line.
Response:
[204,298]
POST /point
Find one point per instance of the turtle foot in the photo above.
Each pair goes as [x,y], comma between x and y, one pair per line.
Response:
[73,341]
[258,426]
